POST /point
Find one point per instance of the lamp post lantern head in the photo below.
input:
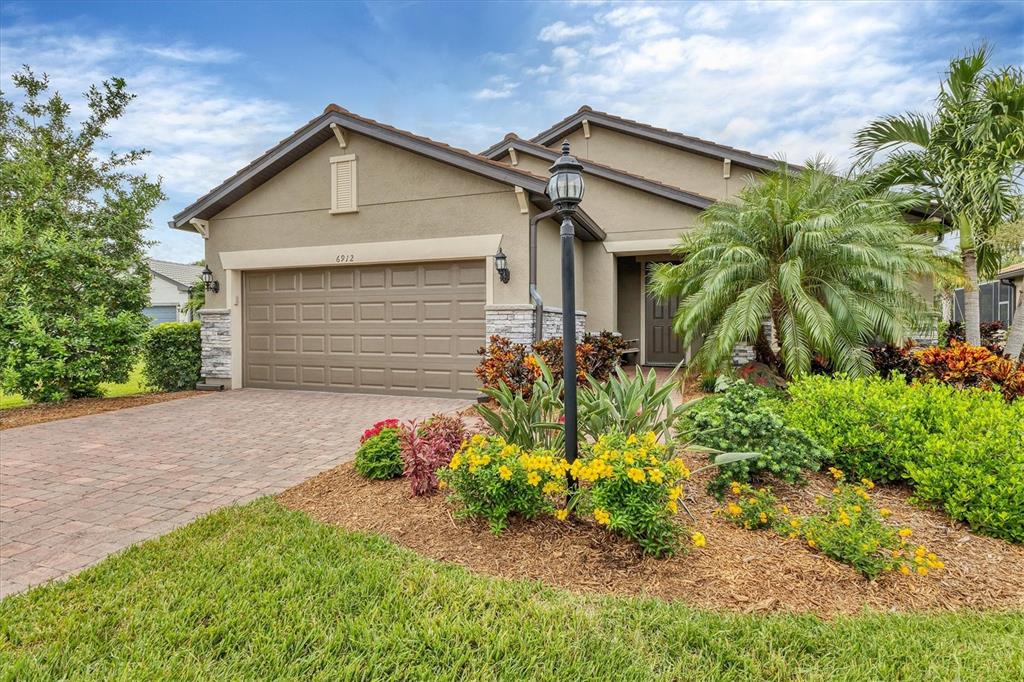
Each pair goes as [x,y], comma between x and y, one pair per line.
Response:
[565,187]
[501,266]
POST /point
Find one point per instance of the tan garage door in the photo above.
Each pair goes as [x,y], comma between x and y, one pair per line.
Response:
[397,329]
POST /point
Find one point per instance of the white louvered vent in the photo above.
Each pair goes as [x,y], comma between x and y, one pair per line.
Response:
[343,184]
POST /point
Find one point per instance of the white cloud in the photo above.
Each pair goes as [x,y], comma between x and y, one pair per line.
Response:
[707,16]
[631,14]
[568,57]
[185,53]
[560,31]
[503,92]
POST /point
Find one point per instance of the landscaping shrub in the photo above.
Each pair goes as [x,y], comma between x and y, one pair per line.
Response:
[965,366]
[753,508]
[962,449]
[629,403]
[529,420]
[515,365]
[380,453]
[760,374]
[852,530]
[632,484]
[889,359]
[869,426]
[172,353]
[492,479]
[747,418]
[708,382]
[428,447]
[993,334]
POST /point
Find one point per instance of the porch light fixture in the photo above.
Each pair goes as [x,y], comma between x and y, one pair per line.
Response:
[209,282]
[565,189]
[501,265]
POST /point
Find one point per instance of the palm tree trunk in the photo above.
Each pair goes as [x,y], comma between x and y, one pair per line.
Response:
[972,300]
[1015,341]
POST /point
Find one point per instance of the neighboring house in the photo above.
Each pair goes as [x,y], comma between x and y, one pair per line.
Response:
[998,298]
[354,256]
[169,285]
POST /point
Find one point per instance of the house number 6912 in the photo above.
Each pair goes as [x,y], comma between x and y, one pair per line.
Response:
[345,258]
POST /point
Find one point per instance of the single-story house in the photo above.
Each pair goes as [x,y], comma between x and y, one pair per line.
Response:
[169,285]
[354,256]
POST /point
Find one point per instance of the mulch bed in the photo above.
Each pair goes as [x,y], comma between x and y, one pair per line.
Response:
[741,570]
[49,412]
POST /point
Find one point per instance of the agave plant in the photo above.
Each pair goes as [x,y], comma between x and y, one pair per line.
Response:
[630,404]
[529,423]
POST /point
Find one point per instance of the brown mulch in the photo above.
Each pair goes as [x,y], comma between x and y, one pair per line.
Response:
[49,412]
[741,570]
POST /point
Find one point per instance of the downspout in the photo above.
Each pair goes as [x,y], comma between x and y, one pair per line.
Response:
[538,302]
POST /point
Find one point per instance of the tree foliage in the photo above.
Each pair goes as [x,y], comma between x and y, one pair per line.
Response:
[965,159]
[829,260]
[74,280]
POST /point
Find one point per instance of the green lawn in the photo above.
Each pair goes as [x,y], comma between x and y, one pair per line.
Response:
[260,592]
[135,384]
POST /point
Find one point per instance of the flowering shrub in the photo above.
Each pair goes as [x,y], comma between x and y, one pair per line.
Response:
[747,418]
[632,485]
[851,530]
[429,447]
[380,455]
[377,428]
[516,366]
[889,359]
[492,479]
[750,507]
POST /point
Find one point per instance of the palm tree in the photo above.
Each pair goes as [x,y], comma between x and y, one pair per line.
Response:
[966,159]
[827,258]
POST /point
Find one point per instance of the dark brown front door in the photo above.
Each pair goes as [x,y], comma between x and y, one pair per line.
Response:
[661,344]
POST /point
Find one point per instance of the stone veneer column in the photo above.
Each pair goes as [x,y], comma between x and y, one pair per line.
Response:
[215,336]
[515,322]
[743,353]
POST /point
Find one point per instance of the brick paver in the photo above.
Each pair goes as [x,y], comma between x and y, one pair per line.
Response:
[76,490]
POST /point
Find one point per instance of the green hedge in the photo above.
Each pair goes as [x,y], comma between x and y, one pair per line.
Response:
[961,449]
[173,356]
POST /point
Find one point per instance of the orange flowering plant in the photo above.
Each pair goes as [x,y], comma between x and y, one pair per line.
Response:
[964,366]
[750,507]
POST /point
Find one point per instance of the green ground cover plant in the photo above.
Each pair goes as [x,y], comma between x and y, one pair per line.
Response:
[261,592]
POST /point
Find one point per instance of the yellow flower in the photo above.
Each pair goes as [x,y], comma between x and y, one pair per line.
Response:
[456,462]
[602,517]
[904,570]
[836,473]
[795,523]
[868,483]
[698,540]
[856,508]
[636,475]
[763,517]
[785,509]
[505,472]
[835,491]
[812,543]
[561,514]
[673,506]
[441,485]
[733,509]
[533,478]
[905,532]
[922,570]
[657,475]
[675,492]
[550,487]
[735,487]
[885,512]
[752,500]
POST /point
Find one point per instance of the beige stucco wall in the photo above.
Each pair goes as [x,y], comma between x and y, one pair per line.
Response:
[402,196]
[692,172]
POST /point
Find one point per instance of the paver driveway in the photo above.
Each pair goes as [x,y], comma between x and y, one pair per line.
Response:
[73,491]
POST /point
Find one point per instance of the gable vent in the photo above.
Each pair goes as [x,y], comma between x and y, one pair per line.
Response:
[343,184]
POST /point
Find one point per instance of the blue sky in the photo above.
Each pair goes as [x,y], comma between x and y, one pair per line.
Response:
[218,83]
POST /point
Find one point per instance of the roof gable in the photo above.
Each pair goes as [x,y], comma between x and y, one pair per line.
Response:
[181,274]
[661,135]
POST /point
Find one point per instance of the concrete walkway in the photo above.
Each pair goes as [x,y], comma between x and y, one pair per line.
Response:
[76,490]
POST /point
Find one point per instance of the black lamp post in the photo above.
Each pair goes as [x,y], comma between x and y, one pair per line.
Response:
[565,188]
[208,281]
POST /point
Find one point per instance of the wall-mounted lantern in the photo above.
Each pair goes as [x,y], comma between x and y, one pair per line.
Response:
[501,265]
[209,282]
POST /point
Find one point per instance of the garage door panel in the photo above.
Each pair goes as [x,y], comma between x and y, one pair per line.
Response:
[406,329]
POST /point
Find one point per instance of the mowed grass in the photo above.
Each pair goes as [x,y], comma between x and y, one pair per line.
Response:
[261,592]
[134,385]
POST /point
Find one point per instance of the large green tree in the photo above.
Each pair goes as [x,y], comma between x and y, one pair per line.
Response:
[829,260]
[966,159]
[74,280]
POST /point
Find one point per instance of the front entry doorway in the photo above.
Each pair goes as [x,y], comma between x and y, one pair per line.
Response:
[661,345]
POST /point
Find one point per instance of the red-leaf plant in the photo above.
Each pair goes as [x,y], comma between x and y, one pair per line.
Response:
[428,447]
[377,428]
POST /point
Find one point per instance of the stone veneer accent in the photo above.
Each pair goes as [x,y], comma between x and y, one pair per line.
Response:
[515,322]
[743,353]
[215,336]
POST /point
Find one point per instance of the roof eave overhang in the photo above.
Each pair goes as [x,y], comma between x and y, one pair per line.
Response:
[687,144]
[315,133]
[674,194]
